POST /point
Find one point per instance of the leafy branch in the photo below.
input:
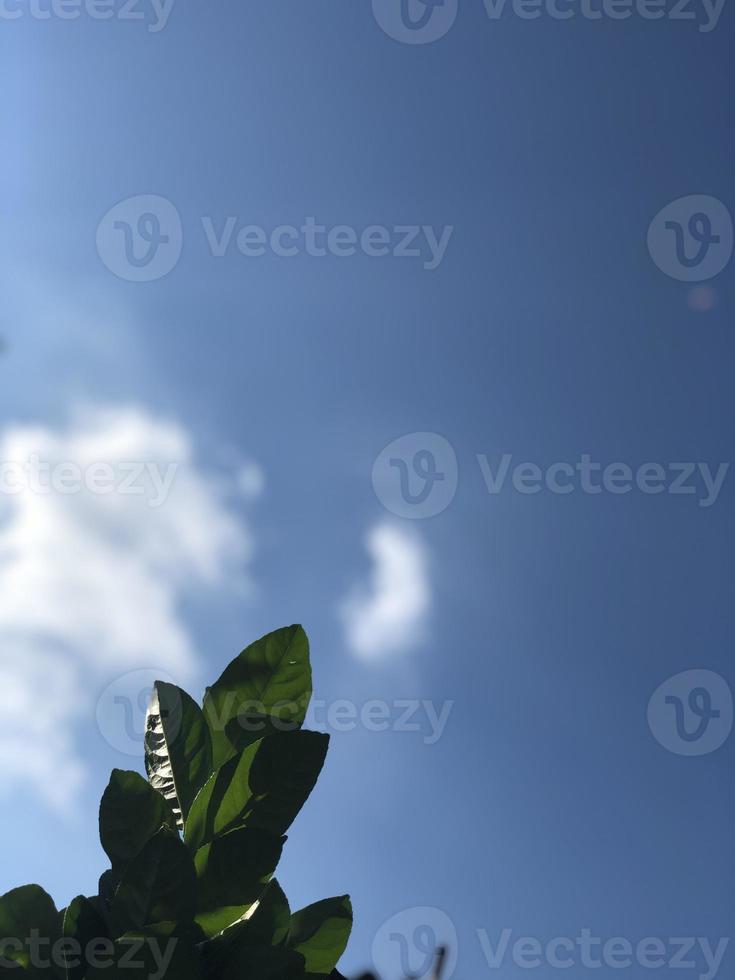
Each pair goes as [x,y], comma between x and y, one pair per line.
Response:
[190,891]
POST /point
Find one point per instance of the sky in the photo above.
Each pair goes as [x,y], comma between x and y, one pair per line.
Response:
[412,324]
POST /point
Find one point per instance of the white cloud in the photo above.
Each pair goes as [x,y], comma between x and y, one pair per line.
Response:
[92,581]
[388,615]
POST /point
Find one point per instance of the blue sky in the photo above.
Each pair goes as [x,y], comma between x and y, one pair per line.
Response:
[545,332]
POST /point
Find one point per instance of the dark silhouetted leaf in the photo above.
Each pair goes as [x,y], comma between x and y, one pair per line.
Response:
[131,812]
[82,923]
[166,952]
[158,886]
[21,911]
[233,871]
[267,924]
[265,786]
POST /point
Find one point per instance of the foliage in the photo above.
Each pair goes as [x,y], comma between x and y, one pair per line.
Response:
[190,893]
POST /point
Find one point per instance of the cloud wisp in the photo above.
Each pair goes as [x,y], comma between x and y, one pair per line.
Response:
[104,527]
[388,614]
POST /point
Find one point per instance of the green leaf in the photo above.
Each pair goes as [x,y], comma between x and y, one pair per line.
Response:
[262,963]
[233,871]
[22,910]
[270,922]
[267,924]
[320,933]
[82,923]
[265,786]
[178,748]
[267,688]
[131,812]
[109,880]
[158,886]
